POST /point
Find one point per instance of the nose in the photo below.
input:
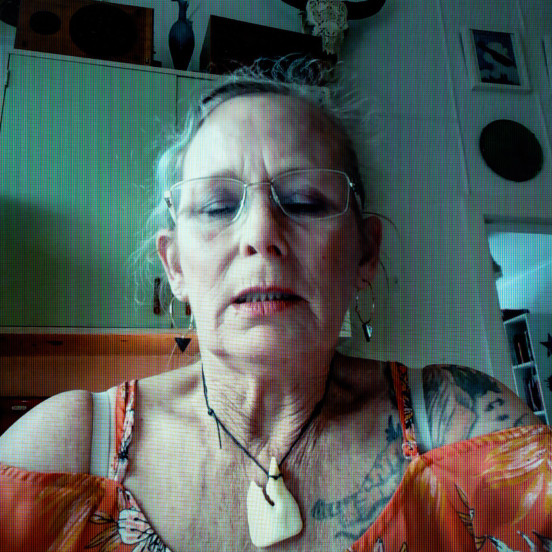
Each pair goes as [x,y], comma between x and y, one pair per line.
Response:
[261,224]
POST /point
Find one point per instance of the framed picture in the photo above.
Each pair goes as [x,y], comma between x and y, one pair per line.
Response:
[494,59]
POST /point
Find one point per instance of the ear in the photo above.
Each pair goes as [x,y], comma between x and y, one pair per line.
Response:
[371,235]
[168,253]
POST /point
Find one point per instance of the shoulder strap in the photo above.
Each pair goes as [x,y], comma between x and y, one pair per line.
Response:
[124,425]
[399,373]
[101,434]
[420,413]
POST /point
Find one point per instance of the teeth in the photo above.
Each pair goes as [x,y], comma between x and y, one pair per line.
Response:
[254,297]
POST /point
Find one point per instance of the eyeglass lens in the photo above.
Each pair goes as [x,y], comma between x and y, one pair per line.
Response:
[302,195]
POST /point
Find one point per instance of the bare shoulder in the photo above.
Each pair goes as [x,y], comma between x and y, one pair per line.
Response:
[462,403]
[170,385]
[162,396]
[53,437]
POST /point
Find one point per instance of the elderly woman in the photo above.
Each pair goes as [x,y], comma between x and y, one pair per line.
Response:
[273,439]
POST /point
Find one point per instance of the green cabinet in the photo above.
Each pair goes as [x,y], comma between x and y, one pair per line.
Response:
[77,154]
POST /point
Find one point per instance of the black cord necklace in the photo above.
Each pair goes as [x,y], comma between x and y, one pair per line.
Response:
[315,413]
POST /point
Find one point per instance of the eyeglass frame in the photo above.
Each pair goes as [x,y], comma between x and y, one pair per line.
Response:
[350,188]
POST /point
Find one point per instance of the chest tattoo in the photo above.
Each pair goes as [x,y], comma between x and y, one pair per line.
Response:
[357,511]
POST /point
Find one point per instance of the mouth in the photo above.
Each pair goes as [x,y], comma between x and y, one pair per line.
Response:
[262,295]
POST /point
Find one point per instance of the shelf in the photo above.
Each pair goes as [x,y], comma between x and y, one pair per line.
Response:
[27,345]
[516,319]
[525,365]
[34,365]
[117,64]
[521,347]
[520,333]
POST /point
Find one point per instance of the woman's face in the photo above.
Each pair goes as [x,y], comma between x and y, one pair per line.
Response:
[319,264]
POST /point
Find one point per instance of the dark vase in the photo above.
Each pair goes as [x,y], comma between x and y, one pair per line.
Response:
[181,38]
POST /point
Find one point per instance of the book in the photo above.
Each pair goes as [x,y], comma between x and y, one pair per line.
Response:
[528,393]
[522,347]
[528,347]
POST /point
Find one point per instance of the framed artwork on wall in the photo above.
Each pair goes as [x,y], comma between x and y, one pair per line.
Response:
[495,60]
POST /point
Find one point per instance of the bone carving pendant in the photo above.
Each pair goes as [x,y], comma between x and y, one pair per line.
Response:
[271,524]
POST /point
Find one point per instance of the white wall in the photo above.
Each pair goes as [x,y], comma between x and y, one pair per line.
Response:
[442,304]
[438,189]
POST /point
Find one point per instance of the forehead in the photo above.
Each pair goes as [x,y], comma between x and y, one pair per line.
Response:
[268,127]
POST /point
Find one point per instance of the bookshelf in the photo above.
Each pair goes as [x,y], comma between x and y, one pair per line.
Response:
[531,363]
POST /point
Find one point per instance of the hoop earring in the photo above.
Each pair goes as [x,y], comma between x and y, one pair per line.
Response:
[188,311]
[366,327]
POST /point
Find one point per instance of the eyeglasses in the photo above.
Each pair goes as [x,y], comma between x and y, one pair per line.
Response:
[215,202]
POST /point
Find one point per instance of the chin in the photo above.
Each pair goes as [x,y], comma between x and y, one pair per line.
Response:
[269,344]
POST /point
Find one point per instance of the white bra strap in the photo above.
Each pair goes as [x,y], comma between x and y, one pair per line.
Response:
[101,434]
[421,424]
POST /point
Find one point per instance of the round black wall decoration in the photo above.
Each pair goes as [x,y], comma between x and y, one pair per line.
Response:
[102,30]
[511,150]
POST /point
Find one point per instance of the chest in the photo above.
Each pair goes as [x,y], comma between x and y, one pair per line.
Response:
[195,502]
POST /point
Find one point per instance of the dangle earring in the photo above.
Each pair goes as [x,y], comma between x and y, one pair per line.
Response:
[366,327]
[183,340]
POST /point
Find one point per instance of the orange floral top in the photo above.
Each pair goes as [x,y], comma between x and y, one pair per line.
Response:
[488,493]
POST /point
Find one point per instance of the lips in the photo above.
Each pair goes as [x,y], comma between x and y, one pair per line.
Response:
[264,294]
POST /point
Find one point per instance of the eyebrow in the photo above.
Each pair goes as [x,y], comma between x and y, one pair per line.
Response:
[230,173]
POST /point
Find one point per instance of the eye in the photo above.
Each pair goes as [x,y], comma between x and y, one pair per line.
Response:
[308,202]
[217,198]
[301,204]
[309,194]
[219,209]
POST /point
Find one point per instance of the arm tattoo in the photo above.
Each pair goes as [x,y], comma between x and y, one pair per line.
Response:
[441,405]
[452,397]
[475,383]
[525,420]
[356,512]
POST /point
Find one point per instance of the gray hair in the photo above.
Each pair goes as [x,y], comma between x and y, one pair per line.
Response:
[300,79]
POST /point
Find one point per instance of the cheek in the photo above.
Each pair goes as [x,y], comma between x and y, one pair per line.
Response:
[198,264]
[335,263]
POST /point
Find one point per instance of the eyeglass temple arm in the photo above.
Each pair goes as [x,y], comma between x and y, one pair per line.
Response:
[352,185]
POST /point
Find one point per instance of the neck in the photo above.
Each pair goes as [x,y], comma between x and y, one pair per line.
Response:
[265,409]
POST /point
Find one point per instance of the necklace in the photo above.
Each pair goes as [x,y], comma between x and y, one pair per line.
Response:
[278,518]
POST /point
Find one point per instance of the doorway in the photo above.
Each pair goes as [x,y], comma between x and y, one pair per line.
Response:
[522,264]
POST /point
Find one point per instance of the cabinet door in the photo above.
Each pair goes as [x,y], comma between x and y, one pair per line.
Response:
[77,146]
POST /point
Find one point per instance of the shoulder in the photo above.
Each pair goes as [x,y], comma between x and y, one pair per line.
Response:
[462,403]
[173,385]
[53,437]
